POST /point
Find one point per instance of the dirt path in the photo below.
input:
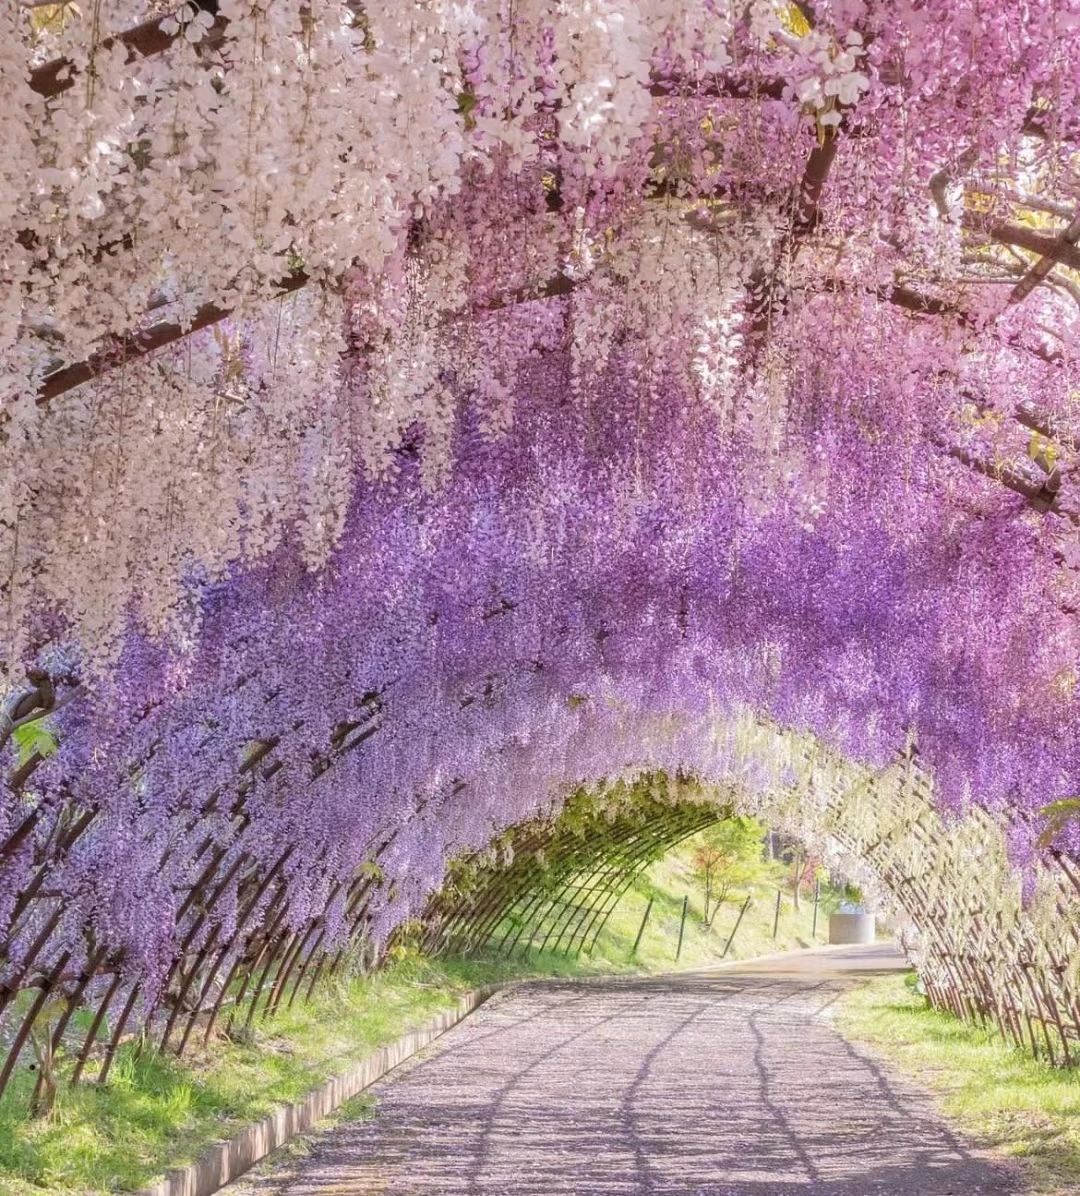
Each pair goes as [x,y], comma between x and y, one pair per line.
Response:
[723,1083]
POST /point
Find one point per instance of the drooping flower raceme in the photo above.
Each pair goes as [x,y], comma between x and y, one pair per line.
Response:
[567,377]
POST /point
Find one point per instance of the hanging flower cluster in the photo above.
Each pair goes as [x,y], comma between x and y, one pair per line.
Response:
[409,412]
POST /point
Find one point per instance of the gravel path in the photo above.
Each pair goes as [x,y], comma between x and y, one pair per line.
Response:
[723,1083]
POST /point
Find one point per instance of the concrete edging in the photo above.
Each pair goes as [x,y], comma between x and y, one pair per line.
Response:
[228,1160]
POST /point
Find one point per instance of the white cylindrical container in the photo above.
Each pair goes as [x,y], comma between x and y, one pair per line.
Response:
[851,926]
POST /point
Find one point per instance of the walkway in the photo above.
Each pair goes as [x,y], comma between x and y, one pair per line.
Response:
[722,1083]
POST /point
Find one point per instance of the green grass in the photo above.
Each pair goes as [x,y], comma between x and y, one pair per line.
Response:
[672,878]
[157,1112]
[999,1096]
[667,882]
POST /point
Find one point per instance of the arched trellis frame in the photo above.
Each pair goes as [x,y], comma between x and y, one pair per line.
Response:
[988,951]
[563,881]
[994,944]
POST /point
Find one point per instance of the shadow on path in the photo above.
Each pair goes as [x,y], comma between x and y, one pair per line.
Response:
[723,1083]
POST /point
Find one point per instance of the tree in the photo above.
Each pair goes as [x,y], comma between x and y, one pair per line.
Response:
[727,856]
[806,869]
[705,861]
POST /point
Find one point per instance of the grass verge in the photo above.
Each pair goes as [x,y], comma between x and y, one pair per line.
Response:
[158,1112]
[671,879]
[998,1096]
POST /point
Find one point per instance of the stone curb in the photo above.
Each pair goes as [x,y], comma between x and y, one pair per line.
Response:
[226,1161]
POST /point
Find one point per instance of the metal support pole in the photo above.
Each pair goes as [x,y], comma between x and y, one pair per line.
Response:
[817,898]
[776,919]
[682,925]
[738,921]
[641,929]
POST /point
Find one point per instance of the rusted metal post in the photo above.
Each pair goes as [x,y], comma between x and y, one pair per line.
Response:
[682,927]
[776,919]
[738,922]
[817,898]
[641,929]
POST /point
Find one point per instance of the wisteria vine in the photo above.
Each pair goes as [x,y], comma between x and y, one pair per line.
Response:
[565,377]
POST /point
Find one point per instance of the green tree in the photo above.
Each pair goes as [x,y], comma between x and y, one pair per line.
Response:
[728,856]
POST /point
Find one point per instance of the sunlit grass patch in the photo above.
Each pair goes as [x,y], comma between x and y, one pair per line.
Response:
[157,1112]
[995,1093]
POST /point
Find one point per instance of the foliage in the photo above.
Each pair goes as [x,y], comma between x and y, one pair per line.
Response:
[36,736]
[1059,815]
[728,856]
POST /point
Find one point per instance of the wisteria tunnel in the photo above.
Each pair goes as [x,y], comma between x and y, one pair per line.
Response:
[451,452]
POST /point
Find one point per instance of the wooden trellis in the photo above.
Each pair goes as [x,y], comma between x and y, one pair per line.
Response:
[988,952]
[985,955]
[562,884]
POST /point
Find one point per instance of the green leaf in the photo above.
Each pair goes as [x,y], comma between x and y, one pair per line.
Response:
[1058,815]
[35,737]
[466,102]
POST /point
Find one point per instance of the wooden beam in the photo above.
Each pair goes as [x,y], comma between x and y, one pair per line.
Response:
[812,184]
[807,217]
[125,349]
[1038,119]
[142,41]
[1059,250]
[1042,496]
[663,87]
[1065,240]
[923,305]
[1046,426]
